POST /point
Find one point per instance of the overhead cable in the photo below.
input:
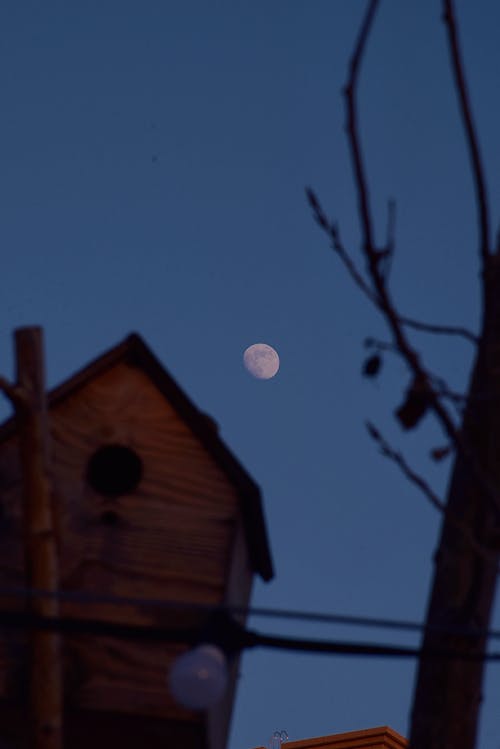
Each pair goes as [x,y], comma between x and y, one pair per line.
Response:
[241,638]
[261,612]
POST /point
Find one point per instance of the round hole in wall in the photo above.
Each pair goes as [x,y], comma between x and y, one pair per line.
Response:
[108,517]
[113,470]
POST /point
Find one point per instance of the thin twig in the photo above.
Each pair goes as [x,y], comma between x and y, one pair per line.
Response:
[389,452]
[388,251]
[385,303]
[372,256]
[426,327]
[439,385]
[334,235]
[397,457]
[391,225]
[349,92]
[470,132]
[441,388]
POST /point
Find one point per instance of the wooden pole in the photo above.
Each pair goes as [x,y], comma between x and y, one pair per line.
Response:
[41,563]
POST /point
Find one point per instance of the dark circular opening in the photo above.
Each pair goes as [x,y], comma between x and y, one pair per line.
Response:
[109,517]
[113,470]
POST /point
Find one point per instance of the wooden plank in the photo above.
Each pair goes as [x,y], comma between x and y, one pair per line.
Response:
[175,529]
[178,537]
[41,561]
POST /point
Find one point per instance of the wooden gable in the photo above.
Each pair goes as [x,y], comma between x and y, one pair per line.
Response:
[188,528]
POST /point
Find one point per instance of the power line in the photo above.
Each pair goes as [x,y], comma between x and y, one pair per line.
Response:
[239,637]
[270,613]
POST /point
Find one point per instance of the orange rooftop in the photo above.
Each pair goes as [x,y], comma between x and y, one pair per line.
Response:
[371,738]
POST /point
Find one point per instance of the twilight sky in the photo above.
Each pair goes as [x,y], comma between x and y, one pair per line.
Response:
[153,163]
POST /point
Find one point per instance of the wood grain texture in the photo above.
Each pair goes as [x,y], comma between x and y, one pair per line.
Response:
[41,556]
[179,536]
[174,532]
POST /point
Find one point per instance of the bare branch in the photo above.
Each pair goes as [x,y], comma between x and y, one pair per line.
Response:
[13,392]
[391,224]
[427,491]
[470,132]
[443,391]
[397,457]
[426,327]
[372,256]
[382,297]
[390,235]
[439,385]
[334,235]
[352,126]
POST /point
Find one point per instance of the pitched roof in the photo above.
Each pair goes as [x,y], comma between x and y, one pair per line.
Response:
[133,351]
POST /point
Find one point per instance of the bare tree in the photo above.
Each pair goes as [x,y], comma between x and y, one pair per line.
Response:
[448,690]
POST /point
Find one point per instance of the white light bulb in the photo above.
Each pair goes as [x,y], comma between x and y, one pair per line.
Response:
[198,678]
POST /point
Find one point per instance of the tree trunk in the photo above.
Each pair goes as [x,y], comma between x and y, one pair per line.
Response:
[448,691]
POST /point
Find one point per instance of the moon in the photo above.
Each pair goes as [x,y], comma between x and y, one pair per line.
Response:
[261,360]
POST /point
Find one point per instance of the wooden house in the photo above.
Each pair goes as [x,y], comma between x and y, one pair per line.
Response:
[150,506]
[371,738]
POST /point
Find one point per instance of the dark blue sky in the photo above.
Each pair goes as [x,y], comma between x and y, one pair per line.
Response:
[153,163]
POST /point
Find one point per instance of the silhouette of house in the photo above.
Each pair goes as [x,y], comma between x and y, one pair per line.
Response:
[151,505]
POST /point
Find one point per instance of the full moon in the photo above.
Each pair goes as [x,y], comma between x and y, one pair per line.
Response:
[261,360]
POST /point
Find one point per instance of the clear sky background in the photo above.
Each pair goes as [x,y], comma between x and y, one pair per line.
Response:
[153,159]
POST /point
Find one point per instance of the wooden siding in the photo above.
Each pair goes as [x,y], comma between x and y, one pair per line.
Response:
[176,537]
[173,535]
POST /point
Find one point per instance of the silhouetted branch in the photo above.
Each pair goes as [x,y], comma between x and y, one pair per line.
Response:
[371,253]
[441,388]
[334,235]
[426,327]
[372,256]
[439,385]
[391,224]
[470,132]
[13,392]
[397,457]
[390,235]
[377,292]
[427,491]
[352,127]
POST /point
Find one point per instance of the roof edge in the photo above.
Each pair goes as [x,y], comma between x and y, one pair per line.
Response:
[134,351]
[381,736]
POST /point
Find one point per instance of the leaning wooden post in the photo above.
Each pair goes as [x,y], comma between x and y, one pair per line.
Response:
[41,563]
